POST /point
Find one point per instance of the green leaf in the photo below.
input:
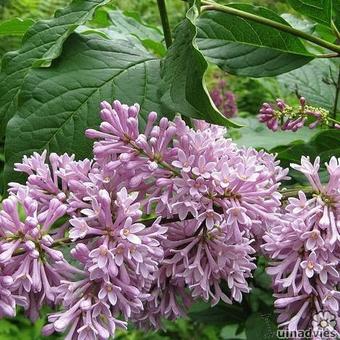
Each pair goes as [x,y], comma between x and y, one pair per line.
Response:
[182,87]
[41,44]
[58,103]
[230,332]
[221,314]
[15,26]
[260,326]
[247,48]
[336,13]
[257,135]
[318,10]
[130,24]
[298,23]
[155,47]
[313,81]
[324,144]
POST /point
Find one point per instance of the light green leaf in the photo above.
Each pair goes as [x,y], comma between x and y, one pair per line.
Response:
[298,23]
[182,88]
[318,10]
[244,47]
[129,24]
[58,103]
[15,26]
[257,135]
[41,44]
[230,332]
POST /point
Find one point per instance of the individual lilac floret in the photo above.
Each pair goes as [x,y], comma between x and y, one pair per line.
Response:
[305,249]
[284,117]
[8,301]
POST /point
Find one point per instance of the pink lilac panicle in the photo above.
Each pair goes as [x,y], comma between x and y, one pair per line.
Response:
[182,172]
[305,250]
[214,201]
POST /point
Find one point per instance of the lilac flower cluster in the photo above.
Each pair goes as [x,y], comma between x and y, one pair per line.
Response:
[305,249]
[224,100]
[157,219]
[285,117]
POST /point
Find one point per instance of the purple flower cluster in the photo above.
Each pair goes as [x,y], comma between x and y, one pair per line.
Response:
[224,100]
[159,218]
[35,270]
[285,117]
[305,249]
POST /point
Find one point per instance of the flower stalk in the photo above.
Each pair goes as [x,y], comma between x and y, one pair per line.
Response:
[165,22]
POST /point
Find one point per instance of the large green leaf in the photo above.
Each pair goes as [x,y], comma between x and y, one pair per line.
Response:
[183,70]
[58,103]
[244,47]
[15,26]
[318,10]
[315,82]
[41,44]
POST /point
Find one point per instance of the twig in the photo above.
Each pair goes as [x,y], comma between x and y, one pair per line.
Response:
[336,99]
[165,22]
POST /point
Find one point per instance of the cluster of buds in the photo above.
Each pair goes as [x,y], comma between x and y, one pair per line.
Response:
[285,117]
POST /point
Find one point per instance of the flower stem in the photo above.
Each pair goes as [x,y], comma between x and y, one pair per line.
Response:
[336,99]
[165,22]
[293,192]
[328,55]
[212,6]
[335,30]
